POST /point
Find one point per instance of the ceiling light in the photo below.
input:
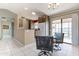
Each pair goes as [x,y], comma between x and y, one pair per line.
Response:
[53,5]
[25,8]
[33,13]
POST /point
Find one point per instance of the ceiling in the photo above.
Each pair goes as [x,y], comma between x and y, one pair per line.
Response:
[39,8]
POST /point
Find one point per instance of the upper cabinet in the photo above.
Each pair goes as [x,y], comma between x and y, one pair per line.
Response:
[43,19]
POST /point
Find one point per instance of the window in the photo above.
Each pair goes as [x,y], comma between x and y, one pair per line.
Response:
[67,29]
[56,26]
[65,26]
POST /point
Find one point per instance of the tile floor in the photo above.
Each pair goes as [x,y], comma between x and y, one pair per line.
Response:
[10,47]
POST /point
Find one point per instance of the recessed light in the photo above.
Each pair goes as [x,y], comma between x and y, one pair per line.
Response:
[25,8]
[33,13]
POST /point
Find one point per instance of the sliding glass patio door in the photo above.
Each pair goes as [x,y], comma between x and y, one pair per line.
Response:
[56,26]
[63,26]
[67,29]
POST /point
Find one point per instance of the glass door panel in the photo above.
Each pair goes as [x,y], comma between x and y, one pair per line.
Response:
[56,26]
[67,29]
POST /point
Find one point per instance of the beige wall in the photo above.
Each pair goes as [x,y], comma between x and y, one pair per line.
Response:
[21,34]
[75,29]
[29,36]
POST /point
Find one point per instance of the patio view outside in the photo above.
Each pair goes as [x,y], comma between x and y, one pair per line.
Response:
[64,25]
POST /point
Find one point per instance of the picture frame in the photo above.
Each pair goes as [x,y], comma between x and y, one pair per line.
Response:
[5,26]
[21,22]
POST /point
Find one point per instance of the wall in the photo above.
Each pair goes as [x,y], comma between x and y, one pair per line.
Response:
[19,33]
[75,26]
[29,37]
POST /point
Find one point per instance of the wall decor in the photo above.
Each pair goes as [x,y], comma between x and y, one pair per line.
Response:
[5,26]
[21,22]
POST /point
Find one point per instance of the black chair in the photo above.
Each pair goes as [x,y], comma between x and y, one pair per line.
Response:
[44,43]
[58,40]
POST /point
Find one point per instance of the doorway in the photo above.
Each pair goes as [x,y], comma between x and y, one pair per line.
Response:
[5,28]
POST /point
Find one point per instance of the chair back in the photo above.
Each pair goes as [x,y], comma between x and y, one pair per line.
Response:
[59,37]
[44,43]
